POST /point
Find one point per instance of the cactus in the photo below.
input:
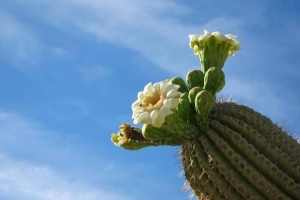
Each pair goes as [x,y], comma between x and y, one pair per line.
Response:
[214,80]
[195,78]
[228,151]
[235,146]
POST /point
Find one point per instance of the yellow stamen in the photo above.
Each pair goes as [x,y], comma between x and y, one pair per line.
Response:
[153,101]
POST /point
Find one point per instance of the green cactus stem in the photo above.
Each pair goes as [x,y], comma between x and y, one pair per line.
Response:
[179,81]
[193,93]
[204,173]
[228,151]
[195,78]
[234,148]
[131,138]
[204,103]
[265,126]
[185,110]
[213,48]
[214,80]
[230,160]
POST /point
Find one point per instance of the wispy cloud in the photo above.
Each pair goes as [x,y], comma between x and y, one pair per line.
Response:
[39,182]
[156,32]
[42,164]
[40,179]
[48,165]
[153,29]
[136,27]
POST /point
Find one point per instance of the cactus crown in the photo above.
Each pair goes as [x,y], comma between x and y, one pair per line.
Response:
[229,151]
[172,111]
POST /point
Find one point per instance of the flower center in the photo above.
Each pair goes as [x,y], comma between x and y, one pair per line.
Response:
[154,101]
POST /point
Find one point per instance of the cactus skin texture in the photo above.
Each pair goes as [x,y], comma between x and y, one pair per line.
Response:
[195,78]
[228,151]
[204,103]
[242,155]
[214,80]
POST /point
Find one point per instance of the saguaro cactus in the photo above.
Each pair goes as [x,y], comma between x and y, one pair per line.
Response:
[229,151]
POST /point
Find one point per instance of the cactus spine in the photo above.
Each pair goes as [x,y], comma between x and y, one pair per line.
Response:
[229,151]
[263,168]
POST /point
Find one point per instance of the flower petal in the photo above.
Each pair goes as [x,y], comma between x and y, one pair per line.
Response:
[165,111]
[138,110]
[156,87]
[194,37]
[135,104]
[141,96]
[198,45]
[157,119]
[171,103]
[171,87]
[205,36]
[206,32]
[173,93]
[155,115]
[230,36]
[219,36]
[148,88]
[164,85]
[143,117]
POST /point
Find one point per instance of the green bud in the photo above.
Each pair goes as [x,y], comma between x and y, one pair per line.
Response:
[193,93]
[195,78]
[214,80]
[204,103]
[179,81]
[185,109]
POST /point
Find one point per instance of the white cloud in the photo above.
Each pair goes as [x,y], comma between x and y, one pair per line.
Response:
[138,26]
[42,165]
[153,29]
[156,31]
[42,177]
[26,181]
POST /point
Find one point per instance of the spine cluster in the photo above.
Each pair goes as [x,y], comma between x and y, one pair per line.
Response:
[242,155]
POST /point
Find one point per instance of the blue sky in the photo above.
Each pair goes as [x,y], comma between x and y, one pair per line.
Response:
[70,70]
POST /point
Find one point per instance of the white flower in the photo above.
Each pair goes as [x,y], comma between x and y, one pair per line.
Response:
[194,37]
[220,36]
[197,42]
[155,103]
